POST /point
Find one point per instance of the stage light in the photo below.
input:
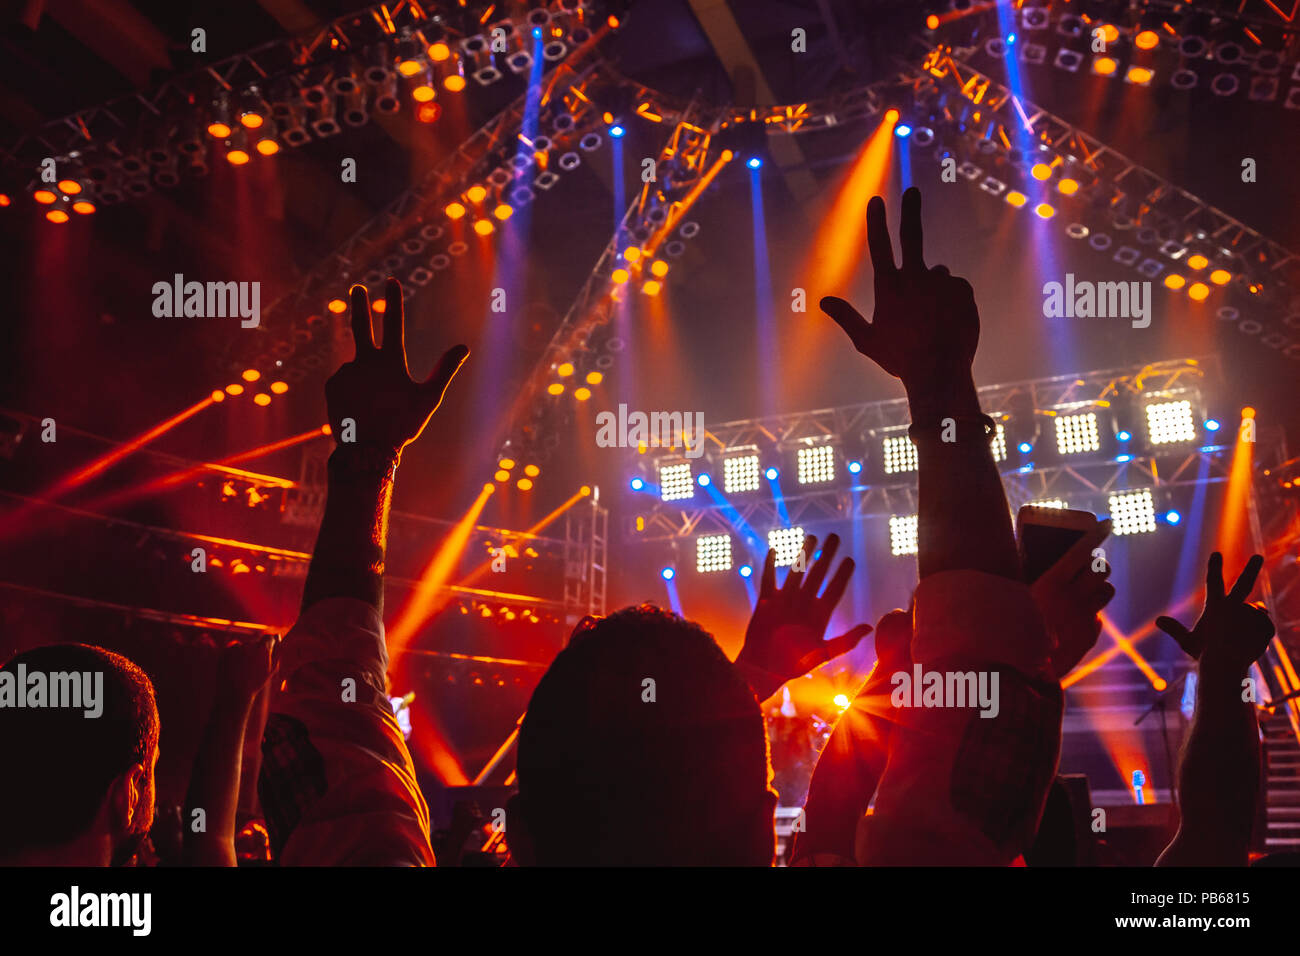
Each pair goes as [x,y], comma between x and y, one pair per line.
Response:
[219,130]
[409,67]
[1146,40]
[1025,448]
[1041,171]
[1045,210]
[555,388]
[632,253]
[218,396]
[524,484]
[1016,198]
[1169,422]
[439,51]
[454,210]
[595,378]
[788,543]
[771,474]
[502,475]
[532,471]
[1076,434]
[932,22]
[1011,39]
[423,93]
[619,276]
[234,388]
[667,574]
[1198,291]
[713,553]
[1212,425]
[251,119]
[1068,186]
[1139,75]
[1132,512]
[1174,281]
[816,464]
[484,227]
[1047,503]
[1173,517]
[899,454]
[69,187]
[267,146]
[44,196]
[1124,435]
[740,473]
[902,535]
[1123,459]
[704,481]
[337,306]
[616,131]
[503,212]
[476,194]
[675,482]
[279,388]
[379,305]
[891,115]
[902,131]
[998,444]
[1109,32]
[1197,262]
[506,463]
[237,157]
[746,570]
[582,394]
[83,206]
[564,369]
[651,287]
[428,112]
[659,268]
[841,701]
[637,484]
[855,467]
[251,375]
[261,398]
[1220,276]
[1104,66]
[1248,411]
[454,83]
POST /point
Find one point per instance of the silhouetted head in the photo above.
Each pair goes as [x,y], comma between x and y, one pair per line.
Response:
[642,745]
[79,757]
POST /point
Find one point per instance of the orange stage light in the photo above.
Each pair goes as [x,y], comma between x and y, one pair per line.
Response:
[1045,210]
[582,393]
[261,398]
[1197,262]
[57,216]
[251,120]
[219,130]
[454,210]
[476,194]
[484,227]
[619,276]
[594,378]
[44,196]
[1104,66]
[251,375]
[69,186]
[524,484]
[1068,186]
[532,471]
[502,475]
[268,147]
[454,82]
[1016,198]
[218,395]
[83,207]
[1220,276]
[564,369]
[932,22]
[428,112]
[506,463]
[1146,40]
[555,388]
[379,305]
[439,52]
[234,388]
[503,212]
[1174,281]
[279,388]
[237,157]
[659,268]
[1041,171]
[337,306]
[423,93]
[651,287]
[1199,291]
[409,67]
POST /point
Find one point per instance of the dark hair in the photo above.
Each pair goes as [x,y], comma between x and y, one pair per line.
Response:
[58,762]
[607,777]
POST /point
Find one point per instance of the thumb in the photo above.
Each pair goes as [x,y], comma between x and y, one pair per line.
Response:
[1180,634]
[835,647]
[851,321]
[436,384]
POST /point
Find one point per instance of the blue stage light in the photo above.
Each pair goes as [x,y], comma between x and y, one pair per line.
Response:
[637,484]
[1124,435]
[617,131]
[668,574]
[537,33]
[746,570]
[704,481]
[771,474]
[1123,458]
[1173,517]
[855,467]
[1212,425]
[1011,38]
[903,131]
[754,162]
[1025,447]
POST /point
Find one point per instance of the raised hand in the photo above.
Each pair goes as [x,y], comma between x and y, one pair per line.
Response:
[375,389]
[784,639]
[1231,633]
[925,325]
[247,665]
[1070,595]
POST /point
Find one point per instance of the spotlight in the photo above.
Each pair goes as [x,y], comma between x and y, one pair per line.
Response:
[668,574]
[1124,435]
[1212,425]
[902,131]
[1076,434]
[754,162]
[713,553]
[771,474]
[1169,422]
[637,484]
[816,465]
[855,467]
[788,544]
[902,535]
[740,473]
[1132,512]
[746,570]
[704,481]
[899,454]
[617,132]
[1173,517]
[675,482]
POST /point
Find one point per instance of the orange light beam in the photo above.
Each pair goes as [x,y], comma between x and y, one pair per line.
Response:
[1093,664]
[1233,520]
[680,209]
[1126,646]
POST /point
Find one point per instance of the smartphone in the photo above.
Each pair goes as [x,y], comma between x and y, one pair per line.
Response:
[1045,534]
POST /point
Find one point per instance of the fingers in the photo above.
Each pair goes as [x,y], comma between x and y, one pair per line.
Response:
[882,250]
[1246,580]
[394,322]
[1214,579]
[794,578]
[1096,600]
[361,334]
[768,587]
[894,638]
[436,384]
[941,270]
[839,583]
[1181,635]
[817,573]
[909,231]
[845,642]
[857,328]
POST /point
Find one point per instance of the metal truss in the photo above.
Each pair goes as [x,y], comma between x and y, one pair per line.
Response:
[586,556]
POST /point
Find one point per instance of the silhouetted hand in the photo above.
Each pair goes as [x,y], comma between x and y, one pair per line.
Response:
[1070,595]
[375,389]
[784,639]
[925,325]
[247,665]
[1231,633]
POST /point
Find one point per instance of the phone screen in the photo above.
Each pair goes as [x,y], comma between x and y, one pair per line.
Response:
[1041,546]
